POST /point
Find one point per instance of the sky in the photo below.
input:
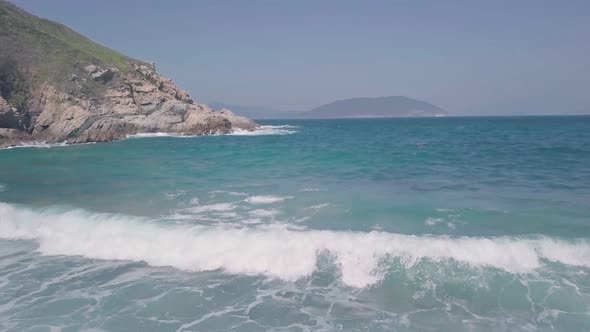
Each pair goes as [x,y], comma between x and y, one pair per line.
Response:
[468,57]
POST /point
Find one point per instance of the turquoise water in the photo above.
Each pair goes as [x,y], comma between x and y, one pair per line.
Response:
[455,224]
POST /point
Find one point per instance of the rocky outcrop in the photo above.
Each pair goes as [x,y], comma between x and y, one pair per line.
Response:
[10,117]
[59,86]
[135,101]
[101,74]
[11,125]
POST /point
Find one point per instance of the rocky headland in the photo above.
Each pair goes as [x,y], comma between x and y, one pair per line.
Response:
[58,86]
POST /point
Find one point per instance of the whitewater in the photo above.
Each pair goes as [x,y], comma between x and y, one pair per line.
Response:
[258,131]
[270,251]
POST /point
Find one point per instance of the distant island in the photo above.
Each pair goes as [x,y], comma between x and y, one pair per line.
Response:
[379,107]
[59,86]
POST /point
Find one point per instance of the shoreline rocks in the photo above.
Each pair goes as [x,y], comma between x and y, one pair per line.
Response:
[127,103]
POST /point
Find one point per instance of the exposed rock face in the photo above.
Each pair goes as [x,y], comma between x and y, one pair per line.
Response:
[12,137]
[136,101]
[11,125]
[101,74]
[10,117]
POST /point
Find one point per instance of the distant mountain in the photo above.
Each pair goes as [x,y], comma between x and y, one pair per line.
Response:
[380,107]
[255,112]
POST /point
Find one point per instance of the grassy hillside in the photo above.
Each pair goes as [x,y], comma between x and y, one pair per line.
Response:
[46,50]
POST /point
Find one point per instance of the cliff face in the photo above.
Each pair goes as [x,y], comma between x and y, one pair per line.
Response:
[80,96]
[137,101]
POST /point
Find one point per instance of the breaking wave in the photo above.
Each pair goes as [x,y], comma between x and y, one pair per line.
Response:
[159,134]
[273,252]
[35,144]
[266,130]
[259,131]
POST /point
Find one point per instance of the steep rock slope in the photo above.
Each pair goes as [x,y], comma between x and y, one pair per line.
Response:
[57,85]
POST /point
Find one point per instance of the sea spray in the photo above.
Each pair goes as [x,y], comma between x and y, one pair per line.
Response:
[266,199]
[272,251]
[266,130]
[259,131]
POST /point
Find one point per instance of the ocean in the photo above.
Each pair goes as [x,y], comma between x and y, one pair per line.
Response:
[414,224]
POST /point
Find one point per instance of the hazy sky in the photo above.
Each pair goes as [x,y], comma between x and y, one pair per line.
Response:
[469,57]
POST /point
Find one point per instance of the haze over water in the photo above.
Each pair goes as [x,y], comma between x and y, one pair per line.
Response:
[305,225]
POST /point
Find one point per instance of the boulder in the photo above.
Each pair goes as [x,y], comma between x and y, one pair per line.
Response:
[101,74]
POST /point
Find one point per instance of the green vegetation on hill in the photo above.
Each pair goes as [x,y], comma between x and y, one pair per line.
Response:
[14,87]
[48,51]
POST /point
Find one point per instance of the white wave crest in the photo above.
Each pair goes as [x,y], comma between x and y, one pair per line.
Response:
[319,206]
[430,221]
[232,193]
[273,252]
[174,135]
[259,131]
[283,127]
[266,199]
[266,130]
[159,134]
[219,207]
[36,144]
[262,213]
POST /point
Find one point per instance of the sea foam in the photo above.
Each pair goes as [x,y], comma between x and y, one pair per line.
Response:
[35,144]
[266,199]
[259,131]
[273,252]
[159,134]
[218,207]
[266,130]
